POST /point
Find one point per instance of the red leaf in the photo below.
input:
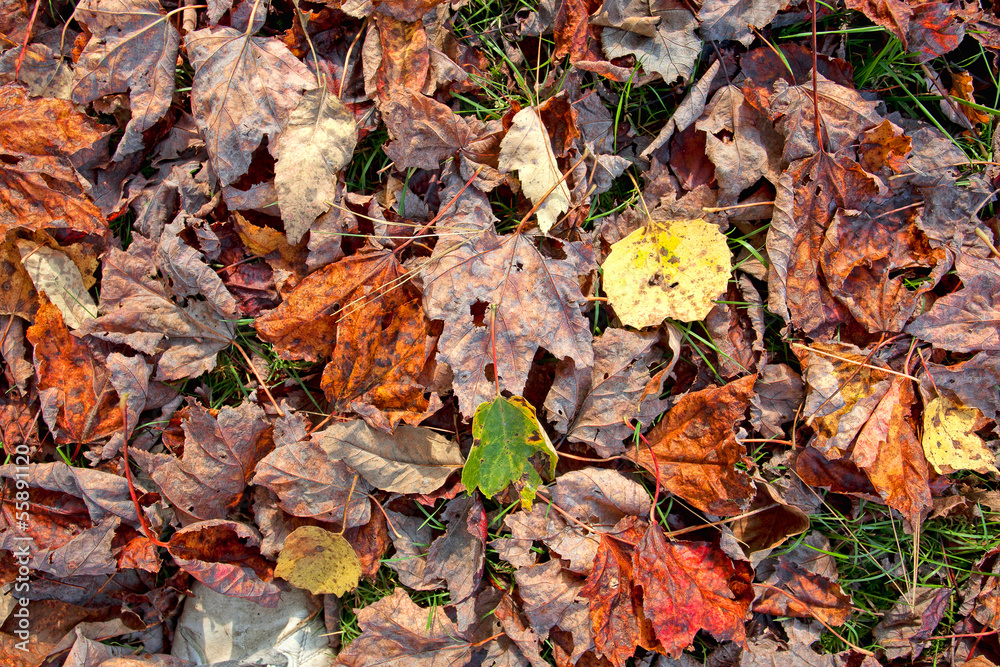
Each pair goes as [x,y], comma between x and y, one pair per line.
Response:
[691,586]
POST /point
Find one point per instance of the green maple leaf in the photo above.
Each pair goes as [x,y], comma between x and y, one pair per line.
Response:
[506,438]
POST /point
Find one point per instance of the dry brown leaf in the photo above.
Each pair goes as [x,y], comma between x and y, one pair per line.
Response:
[696,450]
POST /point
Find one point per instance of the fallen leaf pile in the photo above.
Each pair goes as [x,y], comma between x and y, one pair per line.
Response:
[319,295]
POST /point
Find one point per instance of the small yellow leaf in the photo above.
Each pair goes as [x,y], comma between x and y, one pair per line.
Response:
[319,561]
[950,442]
[670,269]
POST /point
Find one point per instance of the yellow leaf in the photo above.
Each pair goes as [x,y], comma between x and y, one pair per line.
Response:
[670,269]
[950,442]
[318,561]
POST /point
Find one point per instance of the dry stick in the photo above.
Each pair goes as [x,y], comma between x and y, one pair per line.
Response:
[143,523]
[813,614]
[856,363]
[981,234]
[190,17]
[260,380]
[816,124]
[27,38]
[347,58]
[720,209]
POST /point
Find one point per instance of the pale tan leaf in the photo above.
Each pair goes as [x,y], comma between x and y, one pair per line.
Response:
[527,149]
[59,278]
[314,147]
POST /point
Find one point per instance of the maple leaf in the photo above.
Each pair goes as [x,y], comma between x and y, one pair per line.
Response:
[45,136]
[506,439]
[395,57]
[691,586]
[73,383]
[526,148]
[424,132]
[696,450]
[395,631]
[224,556]
[141,311]
[536,303]
[731,19]
[132,48]
[967,320]
[670,50]
[844,114]
[220,453]
[308,481]
[740,143]
[904,629]
[245,88]
[596,405]
[798,591]
[809,192]
[616,607]
[893,15]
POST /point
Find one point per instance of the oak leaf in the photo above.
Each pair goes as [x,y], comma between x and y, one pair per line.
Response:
[696,451]
[132,48]
[245,88]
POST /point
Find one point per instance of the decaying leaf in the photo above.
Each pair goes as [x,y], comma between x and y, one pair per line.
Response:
[691,586]
[596,405]
[506,439]
[501,294]
[245,88]
[133,48]
[696,450]
[38,185]
[410,460]
[316,144]
[671,269]
[526,148]
[56,275]
[319,561]
[670,50]
[74,385]
[220,452]
[950,441]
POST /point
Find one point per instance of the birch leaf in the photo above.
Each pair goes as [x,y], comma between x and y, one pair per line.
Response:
[527,149]
[950,441]
[671,269]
